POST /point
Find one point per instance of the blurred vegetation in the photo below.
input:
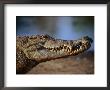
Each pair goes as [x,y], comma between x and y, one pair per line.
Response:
[43,23]
[81,22]
[63,27]
[49,23]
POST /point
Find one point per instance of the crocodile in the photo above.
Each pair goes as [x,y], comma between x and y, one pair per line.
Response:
[35,49]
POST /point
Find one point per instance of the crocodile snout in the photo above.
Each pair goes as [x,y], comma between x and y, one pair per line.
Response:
[88,38]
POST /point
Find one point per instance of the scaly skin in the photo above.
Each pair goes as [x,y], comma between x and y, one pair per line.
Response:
[32,50]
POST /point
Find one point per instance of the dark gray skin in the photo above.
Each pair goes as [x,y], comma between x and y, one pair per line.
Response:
[32,50]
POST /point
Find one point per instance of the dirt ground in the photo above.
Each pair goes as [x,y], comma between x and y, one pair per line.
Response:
[80,64]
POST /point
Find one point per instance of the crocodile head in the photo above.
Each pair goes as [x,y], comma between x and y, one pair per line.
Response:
[32,50]
[69,47]
[44,47]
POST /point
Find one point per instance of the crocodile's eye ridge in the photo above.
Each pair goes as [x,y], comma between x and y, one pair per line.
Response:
[45,36]
[80,43]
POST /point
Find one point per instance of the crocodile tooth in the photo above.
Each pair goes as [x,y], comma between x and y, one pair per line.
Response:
[57,48]
[68,49]
[53,50]
[50,48]
[61,47]
[64,47]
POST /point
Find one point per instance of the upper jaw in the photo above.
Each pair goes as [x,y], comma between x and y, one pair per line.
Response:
[68,46]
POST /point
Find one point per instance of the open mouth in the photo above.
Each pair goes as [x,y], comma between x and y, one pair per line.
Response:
[73,49]
[60,48]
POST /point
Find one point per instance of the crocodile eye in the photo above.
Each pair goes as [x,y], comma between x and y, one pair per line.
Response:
[77,46]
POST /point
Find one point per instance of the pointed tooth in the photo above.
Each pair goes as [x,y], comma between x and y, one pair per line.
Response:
[69,49]
[63,49]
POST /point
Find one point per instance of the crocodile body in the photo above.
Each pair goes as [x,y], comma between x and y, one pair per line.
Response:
[32,50]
